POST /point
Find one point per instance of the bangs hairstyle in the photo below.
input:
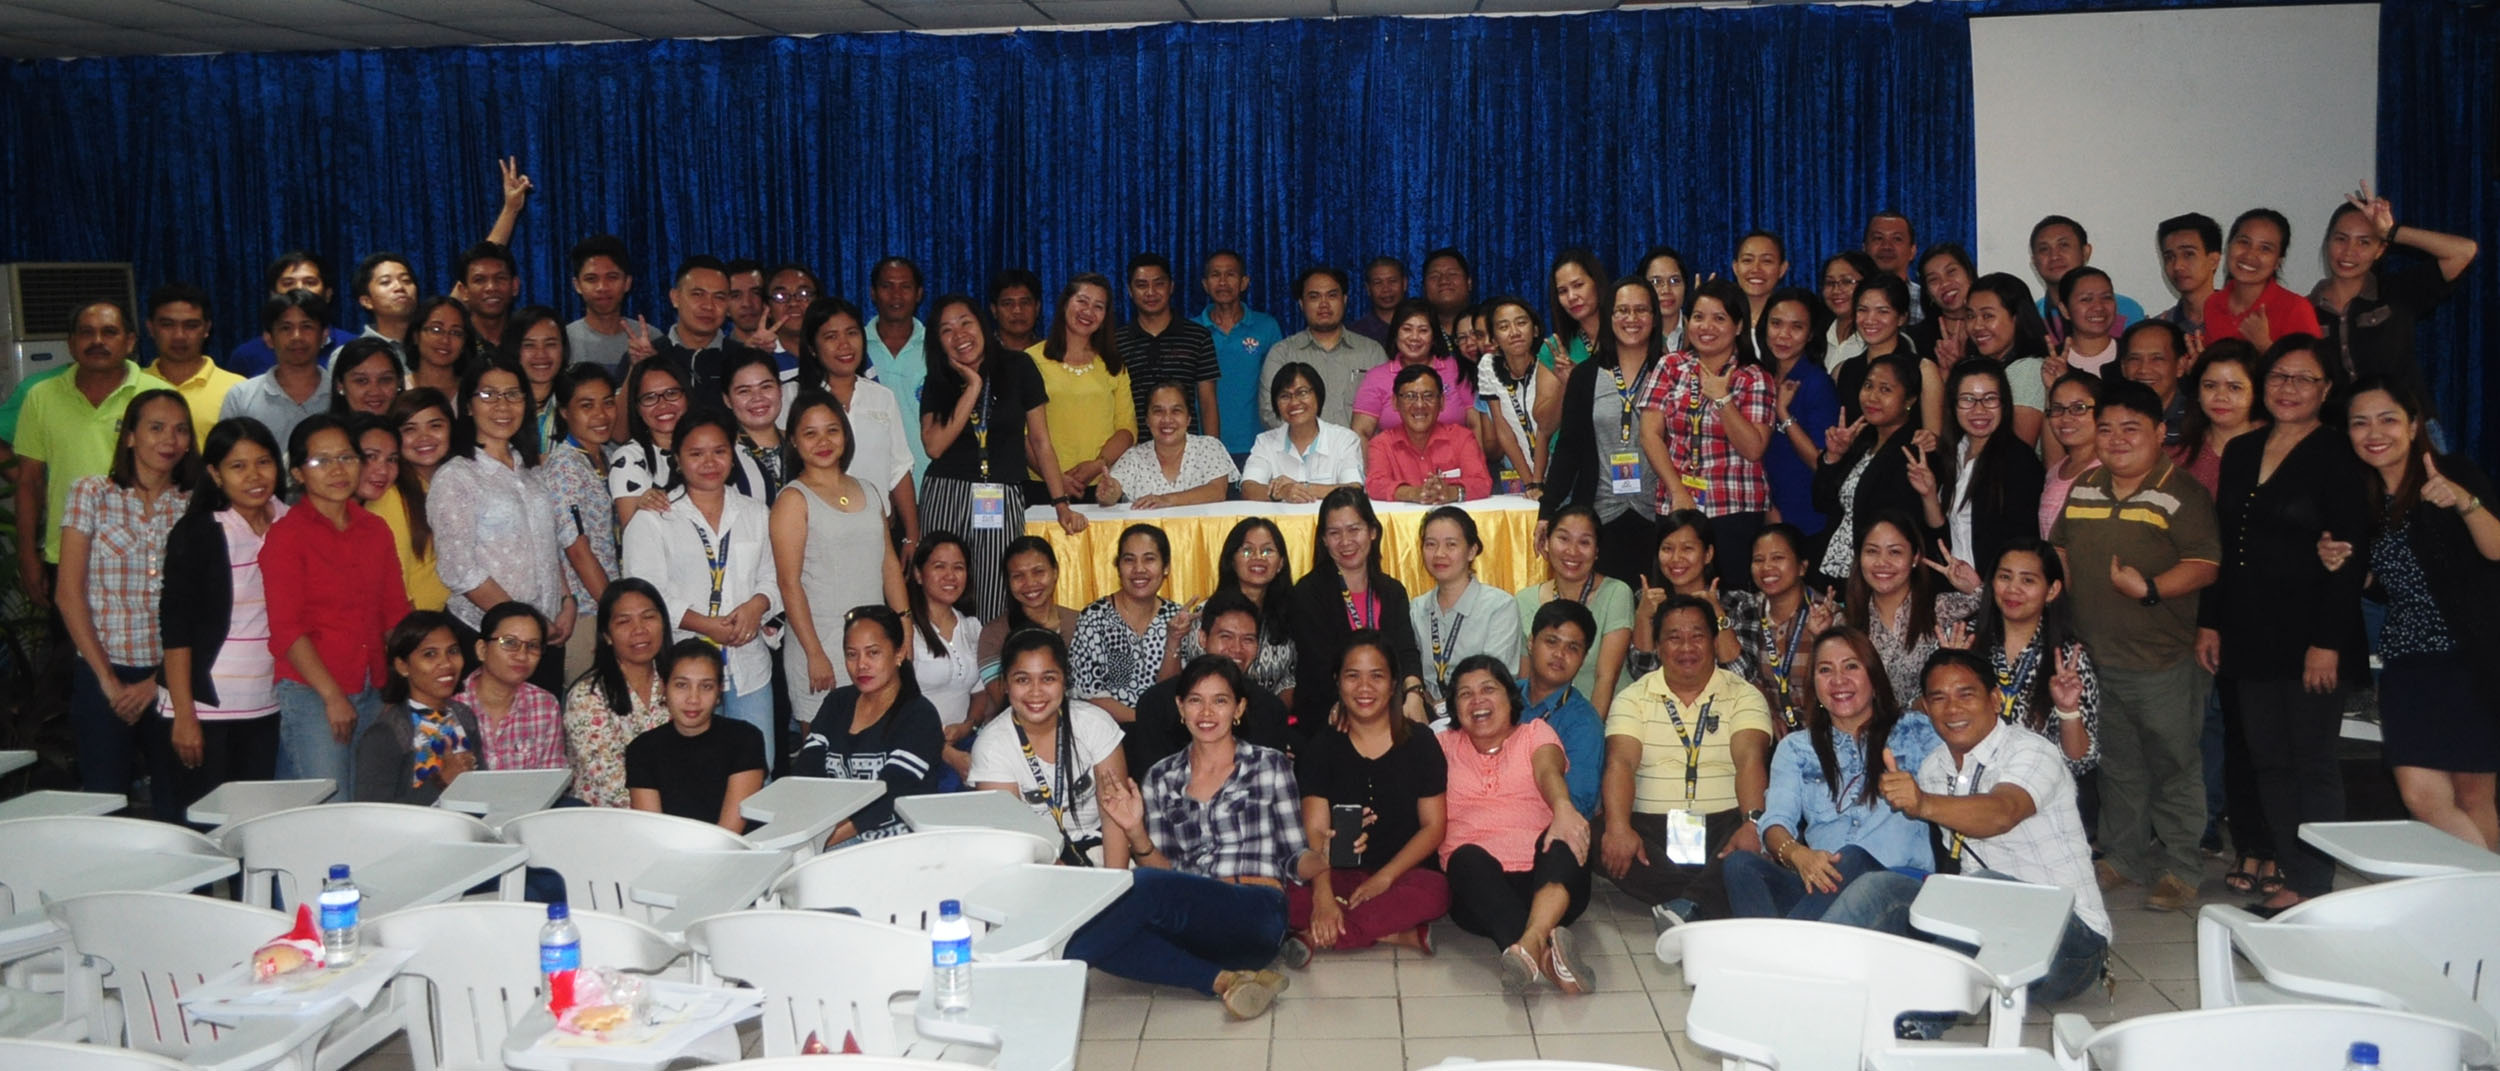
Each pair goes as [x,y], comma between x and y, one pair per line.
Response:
[809,399]
[355,354]
[1482,663]
[518,327]
[1818,721]
[1297,372]
[993,355]
[1818,325]
[402,641]
[637,383]
[819,313]
[223,437]
[409,405]
[125,468]
[2031,334]
[2195,424]
[1276,603]
[1683,520]
[1602,351]
[606,675]
[1105,339]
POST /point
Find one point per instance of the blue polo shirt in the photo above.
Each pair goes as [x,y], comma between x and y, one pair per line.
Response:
[1241,351]
[904,372]
[1583,734]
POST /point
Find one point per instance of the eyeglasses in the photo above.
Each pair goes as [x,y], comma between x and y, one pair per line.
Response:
[1837,282]
[439,330]
[2294,379]
[1420,397]
[800,294]
[1297,394]
[1257,552]
[1977,401]
[517,645]
[2074,409]
[668,394]
[318,462]
[514,396]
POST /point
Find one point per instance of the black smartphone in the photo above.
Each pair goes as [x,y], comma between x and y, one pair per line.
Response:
[1345,822]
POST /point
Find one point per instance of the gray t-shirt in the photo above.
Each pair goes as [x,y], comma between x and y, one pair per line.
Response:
[606,351]
[1607,417]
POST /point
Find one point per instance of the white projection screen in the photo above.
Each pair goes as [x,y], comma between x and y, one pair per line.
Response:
[2123,119]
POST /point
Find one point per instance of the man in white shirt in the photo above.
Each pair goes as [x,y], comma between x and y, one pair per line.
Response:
[2004,802]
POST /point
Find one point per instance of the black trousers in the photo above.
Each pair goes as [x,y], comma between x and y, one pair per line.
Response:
[2243,808]
[1659,880]
[1492,903]
[2292,734]
[1627,548]
[1732,536]
[244,749]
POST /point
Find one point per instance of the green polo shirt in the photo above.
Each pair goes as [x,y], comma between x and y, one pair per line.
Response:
[2168,520]
[72,438]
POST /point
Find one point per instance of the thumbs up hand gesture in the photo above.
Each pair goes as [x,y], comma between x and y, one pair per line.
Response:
[1899,787]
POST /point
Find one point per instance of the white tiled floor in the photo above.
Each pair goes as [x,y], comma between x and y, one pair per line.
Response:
[1389,1008]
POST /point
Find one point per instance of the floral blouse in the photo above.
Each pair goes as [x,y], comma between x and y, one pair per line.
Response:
[597,738]
[582,493]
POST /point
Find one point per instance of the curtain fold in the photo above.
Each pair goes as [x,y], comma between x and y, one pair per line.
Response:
[1296,142]
[2438,128]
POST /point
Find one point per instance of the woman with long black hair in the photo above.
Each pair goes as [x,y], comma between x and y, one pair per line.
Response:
[1987,493]
[1603,460]
[1346,592]
[984,418]
[876,728]
[1255,564]
[1710,415]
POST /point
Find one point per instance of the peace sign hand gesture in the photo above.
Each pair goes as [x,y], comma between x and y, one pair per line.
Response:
[2382,215]
[1836,442]
[1922,478]
[767,336]
[1963,576]
[638,344]
[2066,688]
[516,186]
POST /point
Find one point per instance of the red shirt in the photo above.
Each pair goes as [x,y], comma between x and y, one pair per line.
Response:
[340,587]
[1391,461]
[2287,313]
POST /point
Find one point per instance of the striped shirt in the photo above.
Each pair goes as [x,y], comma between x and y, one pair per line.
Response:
[245,672]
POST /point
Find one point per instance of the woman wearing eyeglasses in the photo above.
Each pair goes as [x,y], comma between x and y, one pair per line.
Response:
[498,537]
[642,467]
[1304,458]
[521,725]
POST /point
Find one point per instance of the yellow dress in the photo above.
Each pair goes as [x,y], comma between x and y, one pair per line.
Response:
[1087,406]
[425,587]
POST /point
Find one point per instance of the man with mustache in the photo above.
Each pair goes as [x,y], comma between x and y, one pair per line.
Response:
[69,429]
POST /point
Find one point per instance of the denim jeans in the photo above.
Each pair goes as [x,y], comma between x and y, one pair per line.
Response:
[1758,888]
[306,747]
[1182,930]
[1881,901]
[107,746]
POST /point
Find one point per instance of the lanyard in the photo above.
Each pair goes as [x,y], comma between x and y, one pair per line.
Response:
[981,430]
[1366,617]
[1783,661]
[1586,586]
[2010,687]
[1440,654]
[715,560]
[1693,411]
[1976,769]
[1692,744]
[1623,393]
[1050,799]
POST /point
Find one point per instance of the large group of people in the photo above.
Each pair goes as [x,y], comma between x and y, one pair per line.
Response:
[1905,572]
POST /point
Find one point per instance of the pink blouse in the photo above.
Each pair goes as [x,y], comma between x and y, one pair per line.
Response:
[1494,802]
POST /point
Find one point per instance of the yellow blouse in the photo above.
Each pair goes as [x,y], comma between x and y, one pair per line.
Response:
[1086,408]
[425,587]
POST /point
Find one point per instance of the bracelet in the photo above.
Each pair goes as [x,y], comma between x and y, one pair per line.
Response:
[2471,505]
[1063,500]
[2068,715]
[1133,853]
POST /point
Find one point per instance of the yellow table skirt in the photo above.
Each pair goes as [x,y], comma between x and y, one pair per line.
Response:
[1089,566]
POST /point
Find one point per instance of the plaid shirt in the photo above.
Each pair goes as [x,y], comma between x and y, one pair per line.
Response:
[529,736]
[1251,829]
[1722,481]
[125,563]
[2047,848]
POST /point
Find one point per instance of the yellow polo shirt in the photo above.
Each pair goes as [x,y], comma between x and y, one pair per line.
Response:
[204,392]
[1727,706]
[73,439]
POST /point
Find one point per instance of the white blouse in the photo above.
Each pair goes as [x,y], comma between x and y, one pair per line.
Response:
[948,680]
[1203,458]
[674,550]
[880,454]
[1335,457]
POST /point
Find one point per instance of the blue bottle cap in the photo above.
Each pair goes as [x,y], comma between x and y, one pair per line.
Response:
[950,908]
[338,872]
[2364,1052]
[558,910]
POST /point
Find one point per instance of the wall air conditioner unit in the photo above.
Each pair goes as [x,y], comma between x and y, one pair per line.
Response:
[36,301]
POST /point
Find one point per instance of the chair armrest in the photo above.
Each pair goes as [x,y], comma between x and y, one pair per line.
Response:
[2217,986]
[2068,1034]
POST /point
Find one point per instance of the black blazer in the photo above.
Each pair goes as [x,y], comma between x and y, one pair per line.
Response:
[195,605]
[2274,599]
[1320,631]
[2006,502]
[1885,486]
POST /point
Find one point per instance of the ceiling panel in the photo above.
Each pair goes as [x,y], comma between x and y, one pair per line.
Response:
[146,14]
[544,26]
[1082,12]
[407,34]
[262,39]
[1405,7]
[691,20]
[824,18]
[20,20]
[1263,9]
[27,48]
[966,14]
[118,41]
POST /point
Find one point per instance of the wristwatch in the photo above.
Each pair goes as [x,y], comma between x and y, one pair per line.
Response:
[2152,593]
[1754,816]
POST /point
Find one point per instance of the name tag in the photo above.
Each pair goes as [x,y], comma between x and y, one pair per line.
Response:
[1698,483]
[1450,474]
[1688,838]
[989,507]
[1624,469]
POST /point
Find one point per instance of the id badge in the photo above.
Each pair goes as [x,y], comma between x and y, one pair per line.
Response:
[1698,483]
[1510,481]
[989,507]
[1688,838]
[1624,468]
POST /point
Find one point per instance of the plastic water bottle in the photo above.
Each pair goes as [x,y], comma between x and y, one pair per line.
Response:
[950,954]
[2362,1057]
[559,950]
[341,904]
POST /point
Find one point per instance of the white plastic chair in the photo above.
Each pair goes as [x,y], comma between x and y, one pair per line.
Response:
[475,972]
[2279,1037]
[54,857]
[25,1055]
[2446,923]
[852,1062]
[1773,993]
[901,879]
[600,850]
[824,974]
[147,948]
[287,854]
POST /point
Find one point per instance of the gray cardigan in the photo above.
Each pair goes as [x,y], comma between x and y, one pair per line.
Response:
[386,756]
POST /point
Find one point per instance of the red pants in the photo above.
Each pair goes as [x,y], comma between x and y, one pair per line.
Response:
[1417,897]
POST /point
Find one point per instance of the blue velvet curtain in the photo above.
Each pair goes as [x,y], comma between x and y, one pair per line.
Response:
[2438,131]
[1297,142]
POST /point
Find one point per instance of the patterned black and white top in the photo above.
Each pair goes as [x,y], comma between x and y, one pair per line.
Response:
[1110,660]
